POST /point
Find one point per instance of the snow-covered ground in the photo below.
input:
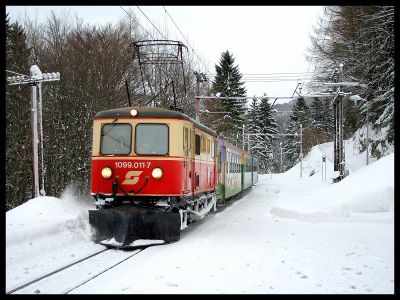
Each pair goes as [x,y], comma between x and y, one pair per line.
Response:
[289,234]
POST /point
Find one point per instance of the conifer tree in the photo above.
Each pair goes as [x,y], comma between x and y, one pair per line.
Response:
[317,118]
[227,83]
[268,127]
[291,144]
[253,124]
[262,123]
[316,113]
[18,131]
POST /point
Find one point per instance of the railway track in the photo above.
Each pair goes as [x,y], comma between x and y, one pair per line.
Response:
[68,278]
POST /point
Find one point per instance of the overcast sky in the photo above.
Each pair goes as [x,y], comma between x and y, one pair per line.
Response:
[263,39]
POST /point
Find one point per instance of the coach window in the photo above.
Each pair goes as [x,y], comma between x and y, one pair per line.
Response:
[235,162]
[151,139]
[212,149]
[116,139]
[229,162]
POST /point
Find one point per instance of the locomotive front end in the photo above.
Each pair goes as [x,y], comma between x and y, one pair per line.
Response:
[134,159]
[136,172]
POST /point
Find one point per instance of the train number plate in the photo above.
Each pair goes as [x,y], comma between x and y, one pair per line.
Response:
[132,165]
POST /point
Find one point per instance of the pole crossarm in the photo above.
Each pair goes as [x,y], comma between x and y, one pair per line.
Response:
[24,79]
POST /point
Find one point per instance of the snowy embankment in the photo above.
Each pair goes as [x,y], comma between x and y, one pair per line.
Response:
[44,233]
[369,189]
[287,235]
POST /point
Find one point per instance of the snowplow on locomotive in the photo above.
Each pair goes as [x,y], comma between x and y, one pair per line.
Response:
[153,171]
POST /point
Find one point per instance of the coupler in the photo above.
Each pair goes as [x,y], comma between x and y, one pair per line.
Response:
[127,224]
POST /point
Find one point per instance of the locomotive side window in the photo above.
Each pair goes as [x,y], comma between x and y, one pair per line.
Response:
[151,139]
[116,139]
[197,146]
[203,144]
[185,140]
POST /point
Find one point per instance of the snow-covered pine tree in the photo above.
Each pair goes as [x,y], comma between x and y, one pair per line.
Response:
[316,112]
[317,120]
[252,125]
[227,83]
[268,127]
[328,120]
[17,110]
[291,144]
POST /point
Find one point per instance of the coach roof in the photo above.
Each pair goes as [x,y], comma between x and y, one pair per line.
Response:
[151,112]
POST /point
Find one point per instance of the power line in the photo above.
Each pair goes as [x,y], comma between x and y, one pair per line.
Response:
[151,22]
[262,74]
[271,77]
[137,22]
[184,37]
[178,30]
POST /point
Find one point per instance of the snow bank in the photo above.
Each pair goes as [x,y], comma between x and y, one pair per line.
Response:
[47,222]
[368,190]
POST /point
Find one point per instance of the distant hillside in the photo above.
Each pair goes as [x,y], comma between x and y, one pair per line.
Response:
[282,115]
[284,109]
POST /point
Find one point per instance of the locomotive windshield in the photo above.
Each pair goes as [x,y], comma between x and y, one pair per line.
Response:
[116,139]
[151,139]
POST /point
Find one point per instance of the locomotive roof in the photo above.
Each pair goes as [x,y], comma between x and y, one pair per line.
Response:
[151,112]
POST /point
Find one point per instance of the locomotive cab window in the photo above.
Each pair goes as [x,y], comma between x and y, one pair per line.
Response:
[151,139]
[116,139]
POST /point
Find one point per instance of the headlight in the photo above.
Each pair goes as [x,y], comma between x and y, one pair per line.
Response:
[106,172]
[157,173]
[134,112]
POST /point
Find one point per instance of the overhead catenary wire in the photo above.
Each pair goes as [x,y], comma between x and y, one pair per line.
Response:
[151,22]
[271,77]
[185,38]
[137,22]
[200,59]
[163,71]
[250,77]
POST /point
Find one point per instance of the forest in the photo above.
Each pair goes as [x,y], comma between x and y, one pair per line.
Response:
[98,67]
